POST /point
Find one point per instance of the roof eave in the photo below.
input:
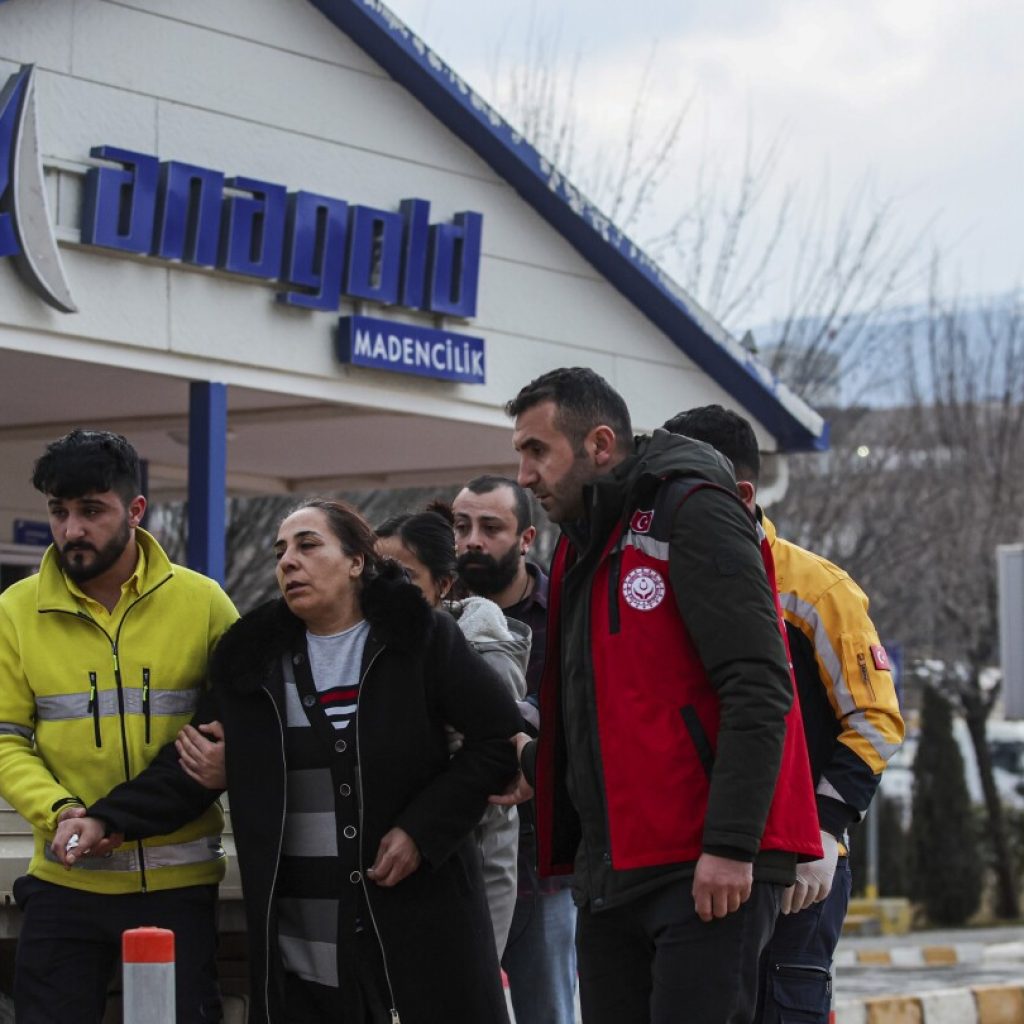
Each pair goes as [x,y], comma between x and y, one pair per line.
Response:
[410,62]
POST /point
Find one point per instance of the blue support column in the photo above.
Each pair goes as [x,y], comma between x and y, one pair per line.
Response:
[207,472]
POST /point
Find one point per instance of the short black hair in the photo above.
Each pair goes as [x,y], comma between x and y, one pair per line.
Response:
[488,482]
[583,400]
[86,461]
[429,535]
[725,430]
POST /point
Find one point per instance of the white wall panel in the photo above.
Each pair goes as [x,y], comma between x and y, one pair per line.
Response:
[122,301]
[36,32]
[74,116]
[654,392]
[290,25]
[211,71]
[238,322]
[580,312]
[514,361]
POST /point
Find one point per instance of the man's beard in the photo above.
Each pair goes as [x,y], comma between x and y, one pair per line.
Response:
[103,558]
[486,575]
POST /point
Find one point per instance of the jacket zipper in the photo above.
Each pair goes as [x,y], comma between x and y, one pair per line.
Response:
[806,971]
[94,709]
[277,858]
[395,1019]
[592,742]
[614,577]
[121,708]
[94,697]
[145,700]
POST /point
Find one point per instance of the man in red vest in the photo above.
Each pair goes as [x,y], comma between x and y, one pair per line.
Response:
[852,723]
[671,774]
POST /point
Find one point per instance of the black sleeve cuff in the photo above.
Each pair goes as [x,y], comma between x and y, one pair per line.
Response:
[730,852]
[528,762]
[834,816]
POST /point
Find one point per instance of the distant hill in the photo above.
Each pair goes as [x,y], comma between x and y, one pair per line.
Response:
[869,361]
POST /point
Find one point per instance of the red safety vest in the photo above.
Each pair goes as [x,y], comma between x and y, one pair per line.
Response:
[657,714]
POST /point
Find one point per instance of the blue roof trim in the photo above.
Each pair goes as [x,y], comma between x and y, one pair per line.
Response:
[408,60]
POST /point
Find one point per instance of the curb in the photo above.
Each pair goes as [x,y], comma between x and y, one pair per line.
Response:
[980,1004]
[929,956]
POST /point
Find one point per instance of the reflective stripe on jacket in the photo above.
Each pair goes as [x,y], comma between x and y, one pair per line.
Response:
[847,694]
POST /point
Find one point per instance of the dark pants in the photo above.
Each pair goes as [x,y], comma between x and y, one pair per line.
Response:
[653,961]
[70,942]
[796,967]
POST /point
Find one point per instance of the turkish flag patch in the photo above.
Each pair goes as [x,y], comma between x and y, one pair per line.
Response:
[880,658]
[641,521]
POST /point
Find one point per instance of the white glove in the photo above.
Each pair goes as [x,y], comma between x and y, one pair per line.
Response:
[813,879]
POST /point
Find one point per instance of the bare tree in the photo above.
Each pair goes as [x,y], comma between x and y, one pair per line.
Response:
[729,230]
[913,501]
[969,398]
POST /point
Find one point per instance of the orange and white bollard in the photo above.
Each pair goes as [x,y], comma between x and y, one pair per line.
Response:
[148,956]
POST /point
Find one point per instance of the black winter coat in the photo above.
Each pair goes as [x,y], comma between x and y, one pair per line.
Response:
[418,673]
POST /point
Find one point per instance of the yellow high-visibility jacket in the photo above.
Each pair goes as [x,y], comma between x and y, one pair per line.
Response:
[86,703]
[847,694]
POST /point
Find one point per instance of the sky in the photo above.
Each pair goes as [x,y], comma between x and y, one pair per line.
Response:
[912,102]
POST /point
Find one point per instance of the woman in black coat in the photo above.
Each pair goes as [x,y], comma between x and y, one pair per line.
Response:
[363,893]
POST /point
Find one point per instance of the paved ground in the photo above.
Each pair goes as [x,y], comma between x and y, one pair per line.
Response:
[867,980]
[937,937]
[860,982]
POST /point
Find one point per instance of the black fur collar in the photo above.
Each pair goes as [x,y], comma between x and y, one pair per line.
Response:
[399,617]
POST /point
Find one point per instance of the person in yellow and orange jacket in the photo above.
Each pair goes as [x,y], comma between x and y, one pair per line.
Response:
[103,655]
[852,723]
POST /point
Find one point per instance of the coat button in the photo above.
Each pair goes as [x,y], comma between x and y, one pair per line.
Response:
[308,701]
[296,659]
[349,832]
[341,746]
[599,902]
[355,878]
[345,789]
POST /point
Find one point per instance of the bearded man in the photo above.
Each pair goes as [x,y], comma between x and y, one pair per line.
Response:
[103,656]
[494,532]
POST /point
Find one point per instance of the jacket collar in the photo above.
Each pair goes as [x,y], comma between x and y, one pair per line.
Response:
[53,594]
[247,655]
[767,525]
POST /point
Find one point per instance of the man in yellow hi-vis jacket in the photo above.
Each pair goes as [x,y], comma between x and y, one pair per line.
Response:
[851,719]
[103,656]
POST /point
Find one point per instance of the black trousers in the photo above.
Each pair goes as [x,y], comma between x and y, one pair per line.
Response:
[70,942]
[653,961]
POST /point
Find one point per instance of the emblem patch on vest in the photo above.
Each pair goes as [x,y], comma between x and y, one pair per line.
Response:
[643,589]
[641,521]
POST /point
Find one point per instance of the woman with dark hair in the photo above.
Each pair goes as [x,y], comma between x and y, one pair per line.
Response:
[353,825]
[424,544]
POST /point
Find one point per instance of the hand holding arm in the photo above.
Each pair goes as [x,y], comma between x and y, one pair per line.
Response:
[201,754]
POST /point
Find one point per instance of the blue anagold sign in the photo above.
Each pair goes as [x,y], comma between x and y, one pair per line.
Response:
[406,348]
[318,247]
